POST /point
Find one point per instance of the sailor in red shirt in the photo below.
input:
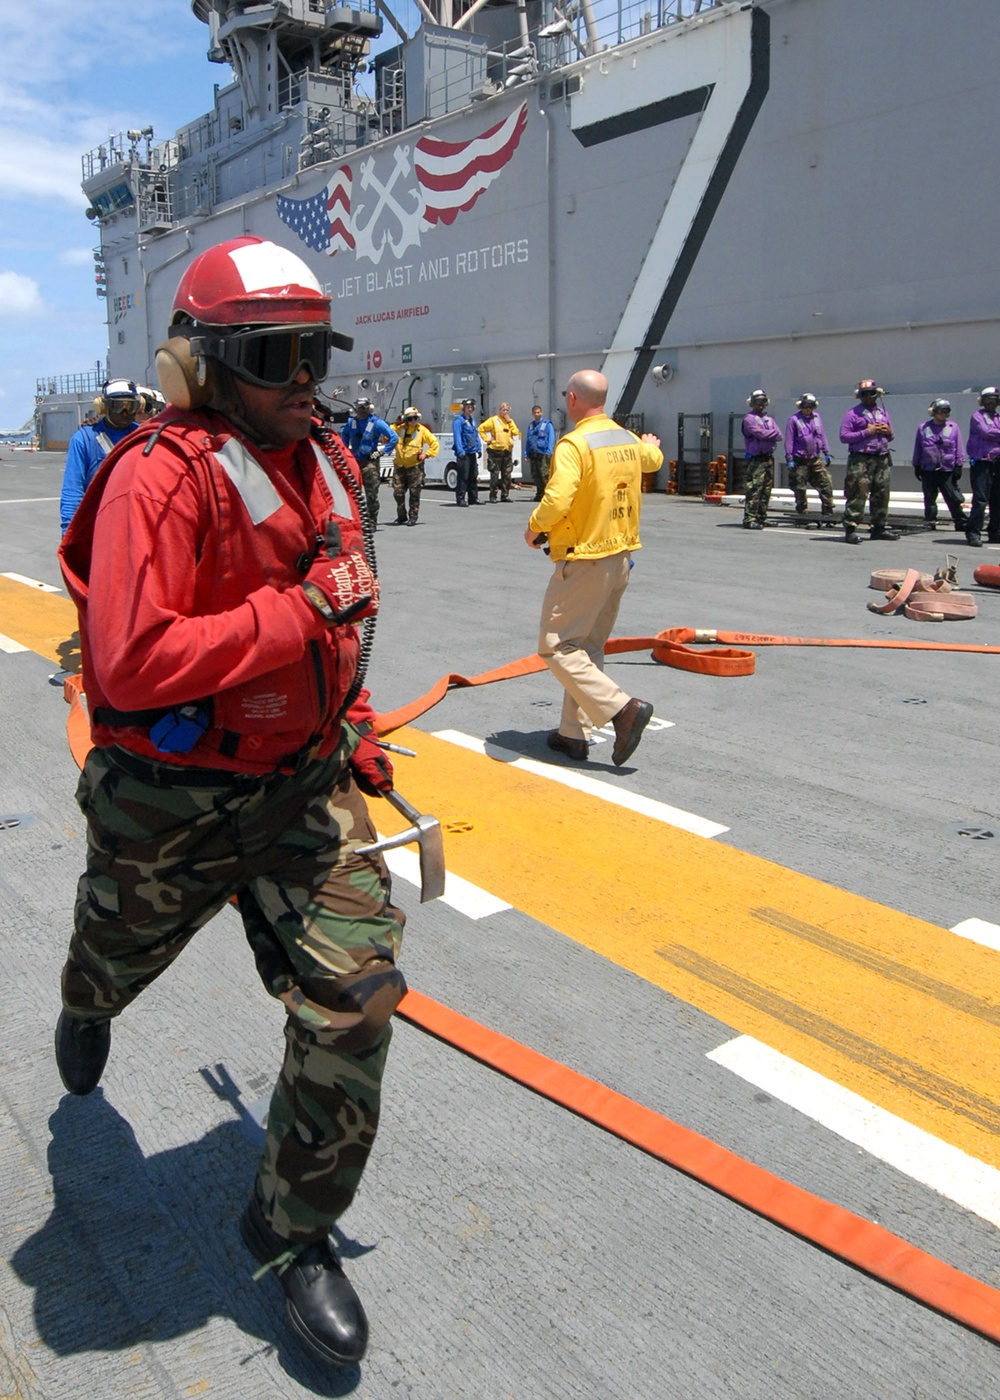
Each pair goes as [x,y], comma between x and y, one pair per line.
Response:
[222,568]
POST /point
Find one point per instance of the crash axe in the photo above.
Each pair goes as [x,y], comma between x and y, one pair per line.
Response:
[426,831]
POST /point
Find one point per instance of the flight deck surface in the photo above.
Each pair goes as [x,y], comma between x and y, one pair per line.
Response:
[747,929]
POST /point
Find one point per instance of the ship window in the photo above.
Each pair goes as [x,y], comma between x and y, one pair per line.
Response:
[125,266]
[121,337]
[565,87]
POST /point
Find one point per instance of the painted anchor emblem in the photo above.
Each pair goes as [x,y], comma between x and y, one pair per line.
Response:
[365,245]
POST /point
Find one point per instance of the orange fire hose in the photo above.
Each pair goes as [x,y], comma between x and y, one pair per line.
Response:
[681,647]
[988,575]
[857,1241]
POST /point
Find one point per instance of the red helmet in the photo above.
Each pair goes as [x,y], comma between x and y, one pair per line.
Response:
[250,281]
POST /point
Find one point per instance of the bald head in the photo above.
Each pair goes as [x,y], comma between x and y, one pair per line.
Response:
[586,393]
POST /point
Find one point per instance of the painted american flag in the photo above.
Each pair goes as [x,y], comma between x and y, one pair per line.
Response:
[322,220]
[453,174]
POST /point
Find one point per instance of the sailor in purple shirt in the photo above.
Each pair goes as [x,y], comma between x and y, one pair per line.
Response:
[867,432]
[760,433]
[938,459]
[805,444]
[984,468]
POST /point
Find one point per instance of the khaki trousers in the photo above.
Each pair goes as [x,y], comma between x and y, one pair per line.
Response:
[578,612]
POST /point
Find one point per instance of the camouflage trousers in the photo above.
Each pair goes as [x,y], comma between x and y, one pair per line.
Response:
[810,471]
[867,479]
[166,848]
[757,488]
[370,478]
[500,461]
[539,463]
[407,479]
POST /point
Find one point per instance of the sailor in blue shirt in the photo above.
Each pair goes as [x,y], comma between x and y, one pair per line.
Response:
[539,444]
[118,404]
[468,449]
[368,437]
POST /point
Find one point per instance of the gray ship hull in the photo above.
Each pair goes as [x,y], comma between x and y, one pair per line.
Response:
[788,194]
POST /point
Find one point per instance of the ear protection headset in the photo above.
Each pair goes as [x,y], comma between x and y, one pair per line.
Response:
[187,380]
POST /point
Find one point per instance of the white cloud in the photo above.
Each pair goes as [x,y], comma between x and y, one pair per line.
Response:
[76,257]
[65,89]
[19,296]
[53,39]
[34,167]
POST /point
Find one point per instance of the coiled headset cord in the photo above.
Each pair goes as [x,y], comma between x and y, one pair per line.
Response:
[329,440]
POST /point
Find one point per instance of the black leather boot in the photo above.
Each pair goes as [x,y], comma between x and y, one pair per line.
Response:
[321,1304]
[81,1052]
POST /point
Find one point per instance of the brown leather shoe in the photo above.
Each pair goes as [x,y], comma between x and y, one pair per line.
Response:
[573,748]
[629,723]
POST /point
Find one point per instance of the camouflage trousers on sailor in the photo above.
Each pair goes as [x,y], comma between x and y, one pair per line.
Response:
[539,462]
[501,464]
[757,488]
[167,847]
[867,479]
[371,475]
[407,479]
[810,471]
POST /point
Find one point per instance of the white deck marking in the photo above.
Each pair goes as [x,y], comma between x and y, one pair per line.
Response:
[619,797]
[29,500]
[33,583]
[945,1169]
[980,932]
[9,645]
[461,894]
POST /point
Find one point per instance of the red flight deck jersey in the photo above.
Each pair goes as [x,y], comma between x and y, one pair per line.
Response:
[184,565]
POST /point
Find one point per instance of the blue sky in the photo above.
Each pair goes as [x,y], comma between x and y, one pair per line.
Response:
[75,71]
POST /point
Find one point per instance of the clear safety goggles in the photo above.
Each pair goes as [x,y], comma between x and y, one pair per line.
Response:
[272,356]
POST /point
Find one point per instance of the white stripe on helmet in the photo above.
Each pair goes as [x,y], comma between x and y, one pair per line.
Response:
[264,265]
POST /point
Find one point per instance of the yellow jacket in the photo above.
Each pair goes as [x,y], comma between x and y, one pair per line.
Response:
[591,504]
[498,433]
[412,442]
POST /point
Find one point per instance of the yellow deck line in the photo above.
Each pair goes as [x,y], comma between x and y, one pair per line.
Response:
[43,622]
[898,1010]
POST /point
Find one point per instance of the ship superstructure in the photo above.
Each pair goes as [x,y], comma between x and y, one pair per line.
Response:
[697,197]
